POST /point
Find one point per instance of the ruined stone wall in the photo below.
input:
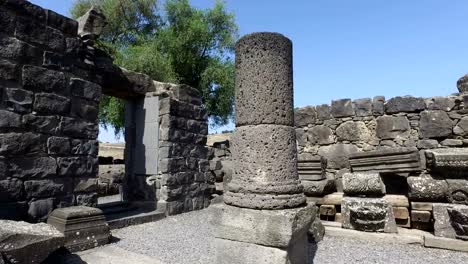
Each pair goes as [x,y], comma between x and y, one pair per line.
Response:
[334,131]
[48,124]
[183,182]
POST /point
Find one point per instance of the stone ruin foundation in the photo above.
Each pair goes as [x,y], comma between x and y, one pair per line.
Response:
[265,218]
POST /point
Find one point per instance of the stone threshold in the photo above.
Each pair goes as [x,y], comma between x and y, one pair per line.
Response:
[120,215]
[404,236]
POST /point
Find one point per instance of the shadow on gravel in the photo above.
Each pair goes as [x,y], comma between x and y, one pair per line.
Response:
[63,256]
[312,250]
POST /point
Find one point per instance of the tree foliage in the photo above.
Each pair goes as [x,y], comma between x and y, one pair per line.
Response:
[174,42]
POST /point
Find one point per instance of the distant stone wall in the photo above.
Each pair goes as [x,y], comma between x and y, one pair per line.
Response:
[48,113]
[347,126]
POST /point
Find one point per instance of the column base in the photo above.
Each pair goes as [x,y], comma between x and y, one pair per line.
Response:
[263,236]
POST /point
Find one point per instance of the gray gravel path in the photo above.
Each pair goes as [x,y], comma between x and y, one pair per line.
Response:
[188,239]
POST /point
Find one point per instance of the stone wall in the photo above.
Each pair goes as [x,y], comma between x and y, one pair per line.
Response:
[51,81]
[348,126]
[48,147]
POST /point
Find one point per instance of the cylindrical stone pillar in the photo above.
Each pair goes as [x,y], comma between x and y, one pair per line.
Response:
[264,143]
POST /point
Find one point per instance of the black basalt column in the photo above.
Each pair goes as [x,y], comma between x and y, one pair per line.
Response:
[264,142]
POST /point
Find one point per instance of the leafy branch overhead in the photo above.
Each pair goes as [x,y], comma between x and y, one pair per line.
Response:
[174,42]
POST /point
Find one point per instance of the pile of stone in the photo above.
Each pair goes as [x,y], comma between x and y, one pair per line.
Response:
[111,178]
[220,164]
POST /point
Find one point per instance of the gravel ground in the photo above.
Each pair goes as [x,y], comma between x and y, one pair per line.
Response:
[188,238]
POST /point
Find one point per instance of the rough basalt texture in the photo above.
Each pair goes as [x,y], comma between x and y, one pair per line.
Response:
[451,221]
[368,214]
[363,183]
[264,84]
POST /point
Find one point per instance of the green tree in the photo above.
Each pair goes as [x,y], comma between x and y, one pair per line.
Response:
[174,43]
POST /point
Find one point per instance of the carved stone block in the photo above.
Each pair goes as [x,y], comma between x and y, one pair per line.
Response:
[451,221]
[386,160]
[368,214]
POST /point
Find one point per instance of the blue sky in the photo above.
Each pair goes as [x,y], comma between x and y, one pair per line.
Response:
[360,48]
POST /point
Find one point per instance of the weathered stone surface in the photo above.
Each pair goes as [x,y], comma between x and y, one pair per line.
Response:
[428,144]
[462,84]
[363,107]
[22,242]
[421,216]
[440,103]
[404,104]
[305,116]
[311,167]
[78,128]
[457,191]
[426,188]
[11,190]
[85,147]
[275,228]
[85,109]
[266,155]
[8,70]
[401,213]
[435,124]
[316,231]
[451,221]
[18,100]
[85,185]
[14,49]
[21,143]
[353,131]
[337,155]
[422,206]
[461,129]
[450,142]
[51,104]
[321,135]
[33,168]
[91,23]
[397,200]
[264,86]
[66,25]
[368,214]
[42,124]
[386,160]
[318,188]
[58,145]
[42,79]
[83,227]
[369,184]
[3,169]
[378,105]
[391,127]
[9,119]
[46,188]
[85,89]
[323,112]
[342,108]
[451,162]
[77,166]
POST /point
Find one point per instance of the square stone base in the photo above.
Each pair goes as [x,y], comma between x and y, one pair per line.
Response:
[263,236]
[83,227]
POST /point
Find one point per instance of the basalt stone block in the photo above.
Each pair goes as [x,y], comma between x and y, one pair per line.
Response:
[269,160]
[451,162]
[353,131]
[451,221]
[321,135]
[305,116]
[427,188]
[386,160]
[85,147]
[83,227]
[274,228]
[368,214]
[85,185]
[87,199]
[42,124]
[435,124]
[462,84]
[445,103]
[318,188]
[378,105]
[47,188]
[51,104]
[77,166]
[91,23]
[21,242]
[323,112]
[14,49]
[310,167]
[363,107]
[22,143]
[18,100]
[85,89]
[391,127]
[404,104]
[58,145]
[27,9]
[67,25]
[428,144]
[8,70]
[85,109]
[11,190]
[363,183]
[337,155]
[42,79]
[9,119]
[33,168]
[8,20]
[461,129]
[342,108]
[264,84]
[78,128]
[457,191]
[3,169]
[38,210]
